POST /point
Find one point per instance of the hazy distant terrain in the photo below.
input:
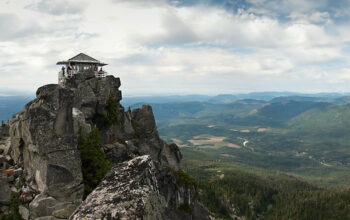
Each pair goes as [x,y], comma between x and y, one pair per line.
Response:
[10,105]
[12,101]
[337,98]
[302,135]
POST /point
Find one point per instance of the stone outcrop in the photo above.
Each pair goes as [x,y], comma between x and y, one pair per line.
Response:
[42,144]
[5,191]
[129,190]
[133,190]
[5,187]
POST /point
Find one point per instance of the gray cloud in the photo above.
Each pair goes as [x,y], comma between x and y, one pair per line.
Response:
[144,3]
[58,7]
[179,48]
[11,27]
[176,31]
[143,59]
[8,26]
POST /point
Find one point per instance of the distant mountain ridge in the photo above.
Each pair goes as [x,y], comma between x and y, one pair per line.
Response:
[15,92]
[230,98]
[10,105]
[285,110]
[332,120]
[12,101]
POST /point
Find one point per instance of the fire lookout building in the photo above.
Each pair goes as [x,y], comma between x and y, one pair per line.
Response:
[79,64]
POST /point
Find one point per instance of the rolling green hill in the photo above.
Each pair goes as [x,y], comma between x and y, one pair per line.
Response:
[333,121]
[303,138]
[247,112]
[285,110]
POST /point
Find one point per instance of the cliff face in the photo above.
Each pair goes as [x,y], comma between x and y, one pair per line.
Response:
[43,144]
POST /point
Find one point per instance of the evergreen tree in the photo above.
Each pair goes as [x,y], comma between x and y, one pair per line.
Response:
[112,109]
[94,163]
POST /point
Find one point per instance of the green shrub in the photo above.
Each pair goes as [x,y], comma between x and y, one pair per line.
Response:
[104,120]
[14,209]
[94,162]
[112,108]
[184,179]
[186,208]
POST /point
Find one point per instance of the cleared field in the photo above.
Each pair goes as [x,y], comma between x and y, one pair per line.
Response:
[226,155]
[210,141]
[262,129]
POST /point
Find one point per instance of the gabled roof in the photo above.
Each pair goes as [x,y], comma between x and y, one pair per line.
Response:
[82,58]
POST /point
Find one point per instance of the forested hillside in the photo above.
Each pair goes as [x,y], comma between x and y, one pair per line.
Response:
[233,190]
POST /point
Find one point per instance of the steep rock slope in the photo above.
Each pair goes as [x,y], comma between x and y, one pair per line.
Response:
[132,190]
[43,144]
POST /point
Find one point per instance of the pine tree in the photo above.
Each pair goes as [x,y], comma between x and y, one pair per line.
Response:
[112,109]
[94,163]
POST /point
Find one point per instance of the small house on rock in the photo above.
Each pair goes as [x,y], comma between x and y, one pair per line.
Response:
[78,64]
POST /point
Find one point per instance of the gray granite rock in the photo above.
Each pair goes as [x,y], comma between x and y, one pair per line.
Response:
[24,212]
[128,191]
[5,191]
[43,139]
[135,190]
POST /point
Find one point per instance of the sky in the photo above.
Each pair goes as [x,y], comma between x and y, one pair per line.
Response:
[169,47]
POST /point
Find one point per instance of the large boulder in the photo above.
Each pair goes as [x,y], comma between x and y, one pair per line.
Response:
[128,191]
[134,190]
[144,123]
[148,141]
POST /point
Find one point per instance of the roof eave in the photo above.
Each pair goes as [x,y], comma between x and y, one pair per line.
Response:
[61,62]
[81,61]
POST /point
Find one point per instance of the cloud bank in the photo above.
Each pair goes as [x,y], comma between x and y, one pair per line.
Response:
[181,47]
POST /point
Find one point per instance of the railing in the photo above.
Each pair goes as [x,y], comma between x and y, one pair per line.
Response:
[70,73]
[100,74]
[61,77]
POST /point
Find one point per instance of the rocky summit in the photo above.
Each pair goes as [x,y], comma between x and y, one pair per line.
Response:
[42,163]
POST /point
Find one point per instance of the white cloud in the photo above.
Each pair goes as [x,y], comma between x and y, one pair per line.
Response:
[160,48]
[313,17]
[58,7]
